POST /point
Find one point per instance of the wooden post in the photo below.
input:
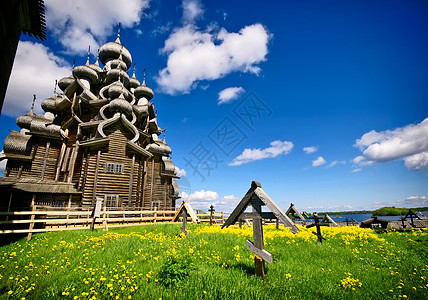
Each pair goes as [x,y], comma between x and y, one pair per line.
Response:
[277,224]
[61,157]
[105,218]
[131,178]
[222,217]
[258,242]
[184,227]
[211,210]
[96,177]
[48,143]
[155,215]
[9,205]
[33,208]
[318,229]
[68,210]
[73,162]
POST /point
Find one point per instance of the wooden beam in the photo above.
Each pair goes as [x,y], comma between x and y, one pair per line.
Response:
[48,143]
[33,208]
[73,162]
[131,178]
[96,177]
[265,255]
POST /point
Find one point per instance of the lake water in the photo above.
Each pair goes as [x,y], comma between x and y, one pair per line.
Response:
[362,217]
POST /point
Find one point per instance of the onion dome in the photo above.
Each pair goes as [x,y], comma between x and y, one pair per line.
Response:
[54,103]
[112,50]
[24,121]
[120,105]
[175,189]
[17,143]
[95,66]
[143,91]
[63,83]
[159,147]
[117,74]
[133,81]
[85,72]
[141,110]
[168,167]
[116,89]
[42,125]
[118,63]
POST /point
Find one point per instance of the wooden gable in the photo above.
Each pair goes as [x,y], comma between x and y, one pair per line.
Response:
[257,196]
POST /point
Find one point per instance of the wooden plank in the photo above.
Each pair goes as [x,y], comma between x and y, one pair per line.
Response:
[255,215]
[275,209]
[265,255]
[242,205]
[319,236]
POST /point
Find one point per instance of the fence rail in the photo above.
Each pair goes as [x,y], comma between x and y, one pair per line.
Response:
[41,220]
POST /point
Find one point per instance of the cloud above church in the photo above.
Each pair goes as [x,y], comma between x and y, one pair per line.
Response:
[34,72]
[194,55]
[229,94]
[276,148]
[78,24]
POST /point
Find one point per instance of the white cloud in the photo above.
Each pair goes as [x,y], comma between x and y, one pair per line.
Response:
[192,11]
[229,94]
[34,72]
[356,170]
[336,162]
[409,143]
[276,148]
[195,55]
[310,149]
[417,161]
[2,163]
[79,23]
[203,199]
[180,172]
[318,162]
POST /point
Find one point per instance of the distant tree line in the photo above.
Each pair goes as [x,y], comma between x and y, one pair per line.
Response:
[384,211]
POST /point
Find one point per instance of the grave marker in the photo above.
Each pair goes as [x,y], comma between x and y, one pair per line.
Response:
[185,211]
[257,198]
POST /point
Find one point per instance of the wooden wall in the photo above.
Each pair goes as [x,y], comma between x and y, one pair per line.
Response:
[111,183]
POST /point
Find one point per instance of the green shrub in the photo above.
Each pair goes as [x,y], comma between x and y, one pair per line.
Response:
[174,270]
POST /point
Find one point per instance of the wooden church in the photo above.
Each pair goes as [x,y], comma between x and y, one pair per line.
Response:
[97,139]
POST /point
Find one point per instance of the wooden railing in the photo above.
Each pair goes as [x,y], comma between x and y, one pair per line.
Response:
[41,220]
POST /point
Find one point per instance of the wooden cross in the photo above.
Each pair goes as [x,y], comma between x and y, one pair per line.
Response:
[257,198]
[325,221]
[211,210]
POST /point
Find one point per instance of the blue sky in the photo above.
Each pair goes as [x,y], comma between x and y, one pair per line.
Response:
[322,102]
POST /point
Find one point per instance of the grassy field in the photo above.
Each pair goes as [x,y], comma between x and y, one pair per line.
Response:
[157,262]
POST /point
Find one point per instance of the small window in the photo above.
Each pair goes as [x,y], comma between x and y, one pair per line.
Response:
[155,205]
[114,167]
[111,201]
[110,167]
[118,168]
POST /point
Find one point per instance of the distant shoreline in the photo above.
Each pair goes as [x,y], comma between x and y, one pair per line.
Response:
[384,211]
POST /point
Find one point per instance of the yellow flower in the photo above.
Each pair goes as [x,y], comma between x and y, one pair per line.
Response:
[9,293]
[205,292]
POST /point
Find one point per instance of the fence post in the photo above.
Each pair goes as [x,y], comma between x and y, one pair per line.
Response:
[33,208]
[222,217]
[155,215]
[105,218]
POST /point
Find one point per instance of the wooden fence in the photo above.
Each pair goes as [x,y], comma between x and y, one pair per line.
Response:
[41,220]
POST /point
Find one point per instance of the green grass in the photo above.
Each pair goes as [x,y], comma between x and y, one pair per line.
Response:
[152,262]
